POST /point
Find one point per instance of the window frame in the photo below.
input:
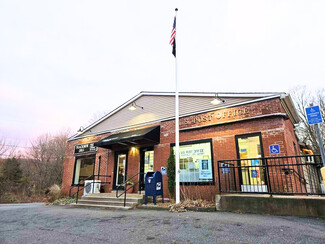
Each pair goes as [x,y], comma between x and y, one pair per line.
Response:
[212,182]
[259,134]
[75,165]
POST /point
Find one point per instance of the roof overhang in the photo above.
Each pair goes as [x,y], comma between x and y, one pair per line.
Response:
[142,137]
[290,108]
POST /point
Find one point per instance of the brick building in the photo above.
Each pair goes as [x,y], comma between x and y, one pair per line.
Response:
[138,136]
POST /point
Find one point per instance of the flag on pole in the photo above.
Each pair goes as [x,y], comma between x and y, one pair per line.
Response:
[173,43]
[173,38]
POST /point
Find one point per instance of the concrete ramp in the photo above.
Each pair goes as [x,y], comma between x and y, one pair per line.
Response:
[306,206]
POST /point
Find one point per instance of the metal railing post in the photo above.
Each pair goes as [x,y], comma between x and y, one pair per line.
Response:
[219,176]
[77,195]
[125,196]
[266,164]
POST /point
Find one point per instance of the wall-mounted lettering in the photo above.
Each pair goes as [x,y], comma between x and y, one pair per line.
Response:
[215,116]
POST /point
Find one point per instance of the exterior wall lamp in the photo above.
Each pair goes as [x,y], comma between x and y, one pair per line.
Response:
[217,100]
[134,106]
[80,130]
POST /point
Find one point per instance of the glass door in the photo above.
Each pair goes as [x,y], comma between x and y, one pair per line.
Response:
[120,173]
[249,149]
[146,165]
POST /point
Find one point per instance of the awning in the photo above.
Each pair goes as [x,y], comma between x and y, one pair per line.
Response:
[142,137]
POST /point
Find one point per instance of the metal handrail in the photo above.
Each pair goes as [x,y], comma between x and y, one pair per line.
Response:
[125,186]
[301,179]
[304,171]
[75,185]
[82,187]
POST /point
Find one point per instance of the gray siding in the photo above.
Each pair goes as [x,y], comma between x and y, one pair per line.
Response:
[157,108]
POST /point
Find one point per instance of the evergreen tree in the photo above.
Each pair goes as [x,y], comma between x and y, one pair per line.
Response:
[171,173]
[10,171]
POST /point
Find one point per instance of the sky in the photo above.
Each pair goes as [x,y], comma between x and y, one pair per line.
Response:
[63,61]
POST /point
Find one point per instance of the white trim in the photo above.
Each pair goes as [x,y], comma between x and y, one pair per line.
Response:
[172,117]
[212,94]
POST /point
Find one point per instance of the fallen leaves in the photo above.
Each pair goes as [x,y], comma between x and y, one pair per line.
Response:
[185,205]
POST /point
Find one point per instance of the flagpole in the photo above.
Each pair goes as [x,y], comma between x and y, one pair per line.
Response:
[176,130]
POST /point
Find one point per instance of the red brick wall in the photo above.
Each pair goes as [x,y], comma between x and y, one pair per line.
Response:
[274,130]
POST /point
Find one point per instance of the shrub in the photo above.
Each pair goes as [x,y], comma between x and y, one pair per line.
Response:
[171,173]
[54,193]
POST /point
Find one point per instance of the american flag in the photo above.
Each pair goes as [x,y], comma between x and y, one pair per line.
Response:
[173,38]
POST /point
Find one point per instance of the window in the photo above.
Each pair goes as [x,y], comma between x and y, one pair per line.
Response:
[148,161]
[83,169]
[249,147]
[195,162]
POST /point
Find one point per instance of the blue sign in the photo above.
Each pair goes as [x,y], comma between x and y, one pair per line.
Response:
[225,168]
[313,115]
[163,170]
[205,169]
[275,149]
[254,173]
[255,162]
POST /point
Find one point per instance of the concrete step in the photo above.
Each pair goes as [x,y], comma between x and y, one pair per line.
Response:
[107,207]
[110,203]
[112,199]
[113,194]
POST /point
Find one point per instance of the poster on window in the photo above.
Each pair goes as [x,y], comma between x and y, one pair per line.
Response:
[205,169]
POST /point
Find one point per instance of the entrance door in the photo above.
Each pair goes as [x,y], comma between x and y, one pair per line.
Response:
[146,165]
[252,171]
[120,169]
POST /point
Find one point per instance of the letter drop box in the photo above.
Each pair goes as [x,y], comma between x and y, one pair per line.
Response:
[153,186]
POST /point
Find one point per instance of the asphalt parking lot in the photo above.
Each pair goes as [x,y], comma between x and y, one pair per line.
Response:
[36,223]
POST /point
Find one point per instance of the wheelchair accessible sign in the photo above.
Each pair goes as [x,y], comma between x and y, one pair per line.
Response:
[275,149]
[313,115]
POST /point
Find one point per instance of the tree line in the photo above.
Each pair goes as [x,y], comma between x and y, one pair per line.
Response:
[31,174]
[303,97]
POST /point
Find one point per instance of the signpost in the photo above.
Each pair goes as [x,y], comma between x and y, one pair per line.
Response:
[314,117]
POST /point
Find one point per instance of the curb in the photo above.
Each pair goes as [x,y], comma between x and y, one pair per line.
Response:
[194,209]
[152,207]
[201,209]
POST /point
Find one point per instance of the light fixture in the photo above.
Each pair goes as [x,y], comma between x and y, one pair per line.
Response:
[217,100]
[134,106]
[80,130]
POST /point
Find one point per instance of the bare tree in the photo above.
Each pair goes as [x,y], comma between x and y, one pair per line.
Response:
[7,149]
[44,164]
[304,97]
[96,116]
